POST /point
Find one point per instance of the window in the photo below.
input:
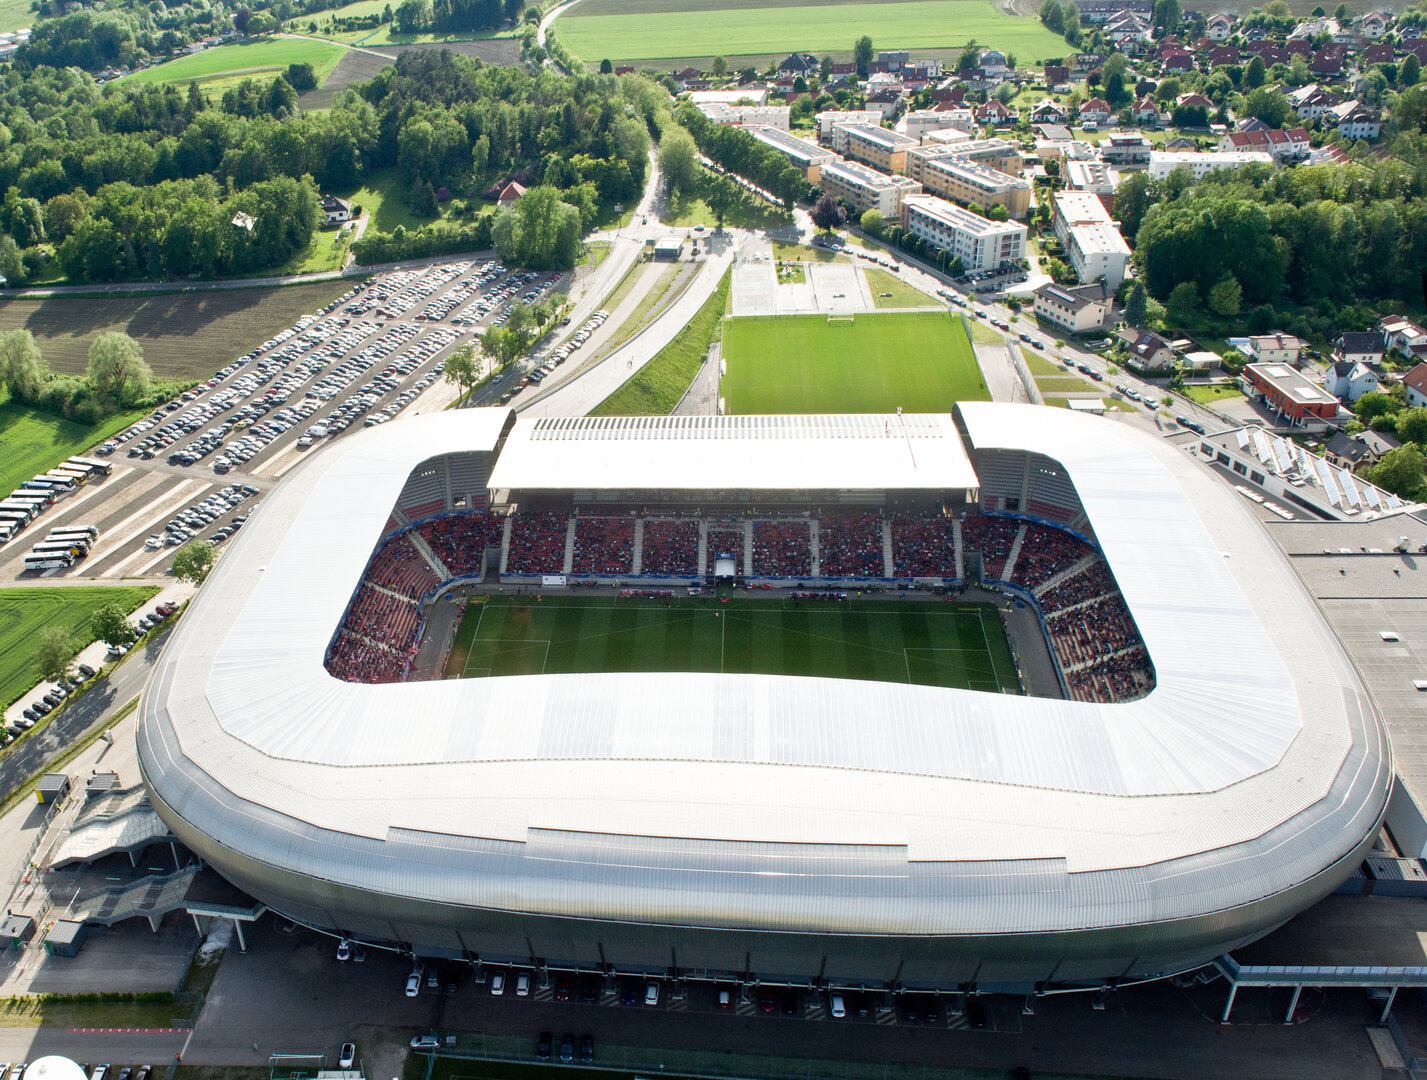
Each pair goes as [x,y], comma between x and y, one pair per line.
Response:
[1239,468]
[1256,477]
[1222,458]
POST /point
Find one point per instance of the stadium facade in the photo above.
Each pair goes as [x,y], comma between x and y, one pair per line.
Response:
[769,828]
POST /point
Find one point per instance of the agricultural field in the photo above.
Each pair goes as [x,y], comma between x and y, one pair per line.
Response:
[15,15]
[246,58]
[646,30]
[23,612]
[916,361]
[926,644]
[183,335]
[36,441]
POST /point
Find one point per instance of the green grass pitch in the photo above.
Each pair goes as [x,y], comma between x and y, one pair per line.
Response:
[878,639]
[918,361]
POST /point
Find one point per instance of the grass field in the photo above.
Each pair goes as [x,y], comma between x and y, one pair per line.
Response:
[1207,395]
[24,611]
[183,335]
[750,212]
[929,644]
[15,15]
[383,196]
[917,361]
[622,30]
[254,57]
[36,441]
[901,295]
[657,387]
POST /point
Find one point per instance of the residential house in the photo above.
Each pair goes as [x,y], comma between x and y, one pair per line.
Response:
[1328,154]
[1275,348]
[803,64]
[1076,308]
[1088,61]
[1056,74]
[1180,144]
[1126,148]
[1269,51]
[1194,101]
[1096,111]
[1178,60]
[1349,380]
[1415,384]
[993,63]
[1367,347]
[1047,111]
[624,69]
[1415,45]
[1148,351]
[1400,333]
[1354,120]
[1358,453]
[510,194]
[1219,26]
[996,114]
[1101,11]
[687,74]
[1251,123]
[1310,102]
[1374,24]
[886,102]
[1309,29]
[842,71]
[1128,29]
[1378,52]
[1221,55]
[1284,145]
[1146,111]
[895,59]
[1328,61]
[1297,400]
[336,210]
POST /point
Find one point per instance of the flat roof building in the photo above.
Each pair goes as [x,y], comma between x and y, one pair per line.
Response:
[1093,244]
[879,147]
[968,181]
[918,122]
[866,189]
[846,116]
[756,94]
[1164,162]
[980,244]
[773,116]
[808,156]
[1092,176]
[1285,390]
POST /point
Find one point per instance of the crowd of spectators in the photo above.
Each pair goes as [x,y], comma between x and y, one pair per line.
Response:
[398,565]
[460,540]
[1096,642]
[850,545]
[1117,677]
[356,659]
[725,539]
[782,549]
[1094,581]
[537,543]
[604,545]
[1044,553]
[378,637]
[670,547]
[992,537]
[923,545]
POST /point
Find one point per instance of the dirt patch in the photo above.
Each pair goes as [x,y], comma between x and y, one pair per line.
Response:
[355,67]
[491,50]
[183,335]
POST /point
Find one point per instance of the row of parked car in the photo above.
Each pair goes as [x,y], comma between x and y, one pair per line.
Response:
[192,519]
[394,294]
[473,287]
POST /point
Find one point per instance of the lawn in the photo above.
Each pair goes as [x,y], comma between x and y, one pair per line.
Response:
[15,15]
[23,612]
[985,335]
[184,335]
[1207,395]
[1038,365]
[751,212]
[596,253]
[657,387]
[255,57]
[36,441]
[917,361]
[642,33]
[804,253]
[899,293]
[1066,384]
[653,297]
[927,644]
[327,251]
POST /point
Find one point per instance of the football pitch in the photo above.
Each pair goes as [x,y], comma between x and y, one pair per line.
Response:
[880,639]
[918,361]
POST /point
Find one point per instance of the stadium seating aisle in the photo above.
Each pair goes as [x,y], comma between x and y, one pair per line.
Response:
[1045,552]
[670,547]
[398,566]
[923,545]
[850,545]
[782,549]
[537,543]
[460,540]
[604,546]
[992,537]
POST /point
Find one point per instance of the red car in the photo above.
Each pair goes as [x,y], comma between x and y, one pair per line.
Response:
[765,1000]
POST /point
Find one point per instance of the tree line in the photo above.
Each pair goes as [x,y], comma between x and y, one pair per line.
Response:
[117,377]
[735,150]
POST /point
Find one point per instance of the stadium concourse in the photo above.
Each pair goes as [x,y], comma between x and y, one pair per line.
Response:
[1210,767]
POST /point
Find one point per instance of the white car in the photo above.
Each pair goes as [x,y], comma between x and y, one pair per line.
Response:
[154,542]
[348,1055]
[522,984]
[413,983]
[839,1007]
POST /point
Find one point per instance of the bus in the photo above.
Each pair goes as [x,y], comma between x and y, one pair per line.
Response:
[96,466]
[79,476]
[15,506]
[76,549]
[66,532]
[7,530]
[13,520]
[48,561]
[48,483]
[32,498]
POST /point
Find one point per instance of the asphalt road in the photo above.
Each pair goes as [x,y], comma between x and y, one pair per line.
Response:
[111,691]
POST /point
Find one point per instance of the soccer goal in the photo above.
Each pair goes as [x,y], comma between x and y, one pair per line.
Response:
[845,319]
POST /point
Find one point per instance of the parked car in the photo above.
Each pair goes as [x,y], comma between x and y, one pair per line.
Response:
[413,983]
[542,1047]
[347,1056]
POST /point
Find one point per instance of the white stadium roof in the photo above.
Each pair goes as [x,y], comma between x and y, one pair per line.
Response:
[1256,762]
[754,453]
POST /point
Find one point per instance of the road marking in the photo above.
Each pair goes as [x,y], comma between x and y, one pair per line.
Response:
[127,1031]
[112,538]
[175,497]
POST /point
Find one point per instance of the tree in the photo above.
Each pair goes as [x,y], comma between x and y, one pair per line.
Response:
[462,368]
[722,195]
[1256,74]
[1400,471]
[540,231]
[1412,425]
[1131,201]
[423,200]
[969,60]
[678,159]
[1072,23]
[301,77]
[1165,15]
[871,221]
[22,368]
[1410,71]
[606,68]
[720,66]
[54,652]
[1182,302]
[241,18]
[1136,305]
[1052,16]
[826,214]
[194,561]
[998,213]
[1226,297]
[110,624]
[1340,12]
[862,54]
[117,369]
[1376,403]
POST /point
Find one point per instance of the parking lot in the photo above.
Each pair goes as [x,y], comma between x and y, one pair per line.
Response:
[197,467]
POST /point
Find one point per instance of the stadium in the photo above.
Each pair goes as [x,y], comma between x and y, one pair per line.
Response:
[1204,764]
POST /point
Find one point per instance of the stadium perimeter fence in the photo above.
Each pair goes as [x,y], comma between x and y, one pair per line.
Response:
[645,1062]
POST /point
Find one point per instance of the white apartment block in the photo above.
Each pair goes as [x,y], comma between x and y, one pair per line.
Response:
[856,116]
[880,147]
[774,116]
[1093,244]
[808,156]
[1164,162]
[919,122]
[979,243]
[867,189]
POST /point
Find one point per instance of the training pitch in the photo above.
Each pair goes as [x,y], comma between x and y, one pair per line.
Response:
[877,362]
[879,639]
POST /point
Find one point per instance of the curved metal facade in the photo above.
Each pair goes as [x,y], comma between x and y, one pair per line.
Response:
[784,828]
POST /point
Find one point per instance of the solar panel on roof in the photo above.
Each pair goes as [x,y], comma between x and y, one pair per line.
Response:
[1330,486]
[1393,501]
[1350,489]
[1370,494]
[1243,437]
[1282,454]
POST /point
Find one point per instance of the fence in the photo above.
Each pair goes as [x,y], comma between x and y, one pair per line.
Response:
[1018,359]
